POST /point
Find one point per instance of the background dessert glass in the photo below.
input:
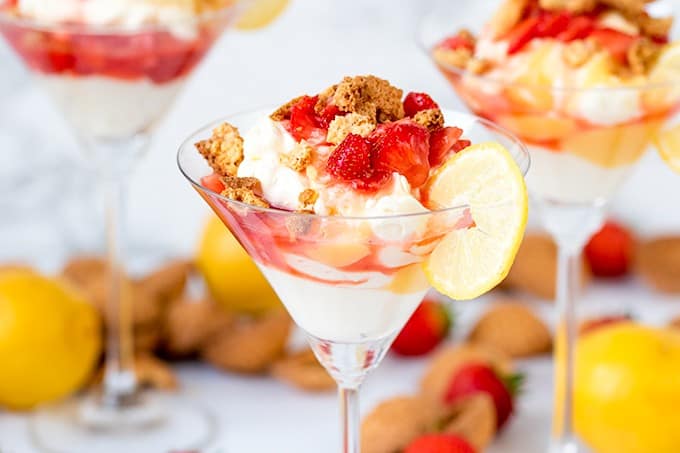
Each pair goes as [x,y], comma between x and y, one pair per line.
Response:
[113,84]
[584,141]
[350,283]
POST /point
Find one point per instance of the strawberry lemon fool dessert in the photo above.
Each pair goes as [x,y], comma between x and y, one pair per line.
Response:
[354,201]
[113,66]
[586,83]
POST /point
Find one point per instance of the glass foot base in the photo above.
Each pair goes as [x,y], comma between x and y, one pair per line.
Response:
[154,423]
[571,445]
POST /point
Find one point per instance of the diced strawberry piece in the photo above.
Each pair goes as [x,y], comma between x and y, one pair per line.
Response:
[552,24]
[439,443]
[459,41]
[377,180]
[417,102]
[428,326]
[304,123]
[213,182]
[441,143]
[579,28]
[328,114]
[351,159]
[402,147]
[610,251]
[616,42]
[461,145]
[522,34]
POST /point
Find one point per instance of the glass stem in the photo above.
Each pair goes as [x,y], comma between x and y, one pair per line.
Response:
[349,418]
[119,379]
[568,285]
[114,159]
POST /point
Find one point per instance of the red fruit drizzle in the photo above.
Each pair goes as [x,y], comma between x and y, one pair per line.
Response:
[156,55]
[417,102]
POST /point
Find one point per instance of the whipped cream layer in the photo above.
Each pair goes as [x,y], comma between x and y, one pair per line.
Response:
[268,140]
[128,14]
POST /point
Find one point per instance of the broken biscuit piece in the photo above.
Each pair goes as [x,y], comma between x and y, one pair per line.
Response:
[432,119]
[223,150]
[642,55]
[307,199]
[573,6]
[245,190]
[369,96]
[352,123]
[577,53]
[298,158]
[458,58]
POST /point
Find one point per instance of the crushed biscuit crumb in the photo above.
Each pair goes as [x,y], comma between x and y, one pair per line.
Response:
[283,112]
[479,66]
[298,158]
[458,58]
[352,123]
[642,55]
[507,16]
[307,199]
[246,190]
[223,150]
[656,27]
[577,53]
[432,119]
[370,96]
[626,6]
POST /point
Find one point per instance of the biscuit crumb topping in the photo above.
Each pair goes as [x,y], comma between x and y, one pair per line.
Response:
[307,199]
[432,119]
[352,123]
[642,55]
[369,96]
[223,150]
[298,158]
[578,52]
[458,58]
[246,190]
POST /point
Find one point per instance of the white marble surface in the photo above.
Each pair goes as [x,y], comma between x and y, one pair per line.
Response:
[314,44]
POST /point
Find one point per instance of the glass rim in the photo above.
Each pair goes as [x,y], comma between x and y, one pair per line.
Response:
[423,46]
[116,29]
[189,145]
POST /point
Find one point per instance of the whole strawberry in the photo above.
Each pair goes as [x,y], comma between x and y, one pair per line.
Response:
[475,378]
[610,250]
[439,443]
[428,326]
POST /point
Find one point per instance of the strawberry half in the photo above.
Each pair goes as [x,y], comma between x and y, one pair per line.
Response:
[304,122]
[479,378]
[610,251]
[417,102]
[441,144]
[439,443]
[402,147]
[351,159]
[428,326]
[552,24]
[579,28]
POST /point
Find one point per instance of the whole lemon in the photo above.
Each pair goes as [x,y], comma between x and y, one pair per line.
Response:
[50,340]
[627,390]
[231,275]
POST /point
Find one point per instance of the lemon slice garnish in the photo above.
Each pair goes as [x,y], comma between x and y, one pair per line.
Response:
[668,146]
[261,13]
[469,262]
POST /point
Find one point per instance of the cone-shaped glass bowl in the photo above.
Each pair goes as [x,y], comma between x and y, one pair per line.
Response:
[350,283]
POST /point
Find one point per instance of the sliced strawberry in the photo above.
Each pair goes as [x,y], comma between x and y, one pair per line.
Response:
[461,145]
[615,42]
[417,102]
[351,159]
[402,147]
[459,41]
[441,143]
[480,378]
[552,24]
[580,27]
[522,34]
[213,182]
[304,123]
[428,326]
[328,114]
[439,443]
[610,251]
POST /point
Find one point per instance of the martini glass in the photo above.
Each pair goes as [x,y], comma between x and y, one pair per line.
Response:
[350,283]
[583,141]
[113,85]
